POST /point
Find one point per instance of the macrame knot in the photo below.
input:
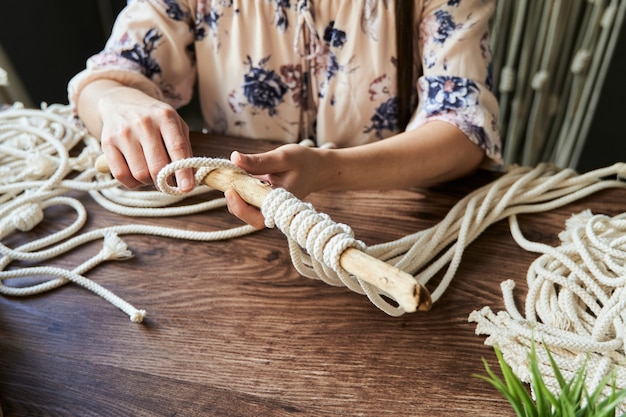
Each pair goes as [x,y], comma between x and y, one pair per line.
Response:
[26,217]
[85,160]
[4,78]
[580,61]
[608,17]
[507,79]
[114,248]
[539,80]
[621,171]
[40,166]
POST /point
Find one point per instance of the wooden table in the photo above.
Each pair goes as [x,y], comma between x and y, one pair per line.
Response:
[233,330]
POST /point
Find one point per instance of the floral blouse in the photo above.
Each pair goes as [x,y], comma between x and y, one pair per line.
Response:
[294,69]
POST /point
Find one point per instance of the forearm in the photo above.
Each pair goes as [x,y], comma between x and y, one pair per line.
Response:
[88,103]
[433,153]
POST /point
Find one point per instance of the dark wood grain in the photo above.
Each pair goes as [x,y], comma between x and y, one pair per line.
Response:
[233,330]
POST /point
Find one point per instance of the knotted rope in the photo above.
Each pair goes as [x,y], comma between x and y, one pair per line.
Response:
[37,171]
[576,304]
[424,253]
[314,240]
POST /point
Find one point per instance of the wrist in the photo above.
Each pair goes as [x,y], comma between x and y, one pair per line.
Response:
[331,168]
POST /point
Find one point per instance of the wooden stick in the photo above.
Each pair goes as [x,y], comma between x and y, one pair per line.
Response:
[399,285]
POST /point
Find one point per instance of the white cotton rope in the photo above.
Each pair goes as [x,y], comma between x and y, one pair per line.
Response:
[29,185]
[427,252]
[575,305]
[37,172]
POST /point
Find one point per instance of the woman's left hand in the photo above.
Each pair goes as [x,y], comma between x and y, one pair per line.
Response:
[296,168]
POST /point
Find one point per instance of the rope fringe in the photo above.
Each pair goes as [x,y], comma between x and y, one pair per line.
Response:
[576,303]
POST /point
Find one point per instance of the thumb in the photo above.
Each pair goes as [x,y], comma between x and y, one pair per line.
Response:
[255,164]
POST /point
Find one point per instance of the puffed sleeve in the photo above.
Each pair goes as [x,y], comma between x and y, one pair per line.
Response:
[150,48]
[456,84]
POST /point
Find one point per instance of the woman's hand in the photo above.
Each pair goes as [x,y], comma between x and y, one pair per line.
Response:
[433,153]
[296,168]
[139,134]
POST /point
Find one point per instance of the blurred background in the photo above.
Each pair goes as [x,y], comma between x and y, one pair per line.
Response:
[559,70]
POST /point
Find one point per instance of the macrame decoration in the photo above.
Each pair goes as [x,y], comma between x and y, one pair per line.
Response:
[550,63]
[38,171]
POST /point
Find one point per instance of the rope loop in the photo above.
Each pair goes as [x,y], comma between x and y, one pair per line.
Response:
[324,240]
[203,166]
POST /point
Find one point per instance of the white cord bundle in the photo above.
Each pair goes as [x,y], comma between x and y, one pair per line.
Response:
[520,190]
[576,304]
[36,171]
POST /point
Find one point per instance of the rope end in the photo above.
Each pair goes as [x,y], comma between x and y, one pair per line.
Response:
[137,316]
[114,248]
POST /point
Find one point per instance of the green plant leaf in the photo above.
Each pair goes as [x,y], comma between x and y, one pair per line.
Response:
[494,380]
[544,398]
[569,402]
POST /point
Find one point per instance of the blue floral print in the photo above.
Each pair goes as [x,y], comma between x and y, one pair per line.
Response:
[477,132]
[446,25]
[142,54]
[263,88]
[385,117]
[333,67]
[283,98]
[334,37]
[174,11]
[450,93]
[210,20]
[455,99]
[282,23]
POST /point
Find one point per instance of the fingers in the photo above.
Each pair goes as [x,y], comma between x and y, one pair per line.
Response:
[137,151]
[119,167]
[243,210]
[270,162]
[175,135]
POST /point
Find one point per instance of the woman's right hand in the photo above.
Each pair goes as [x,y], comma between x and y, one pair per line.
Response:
[139,134]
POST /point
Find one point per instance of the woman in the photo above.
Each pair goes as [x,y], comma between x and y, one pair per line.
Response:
[337,72]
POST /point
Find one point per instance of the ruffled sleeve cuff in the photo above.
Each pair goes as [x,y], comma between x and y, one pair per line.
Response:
[464,103]
[111,66]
